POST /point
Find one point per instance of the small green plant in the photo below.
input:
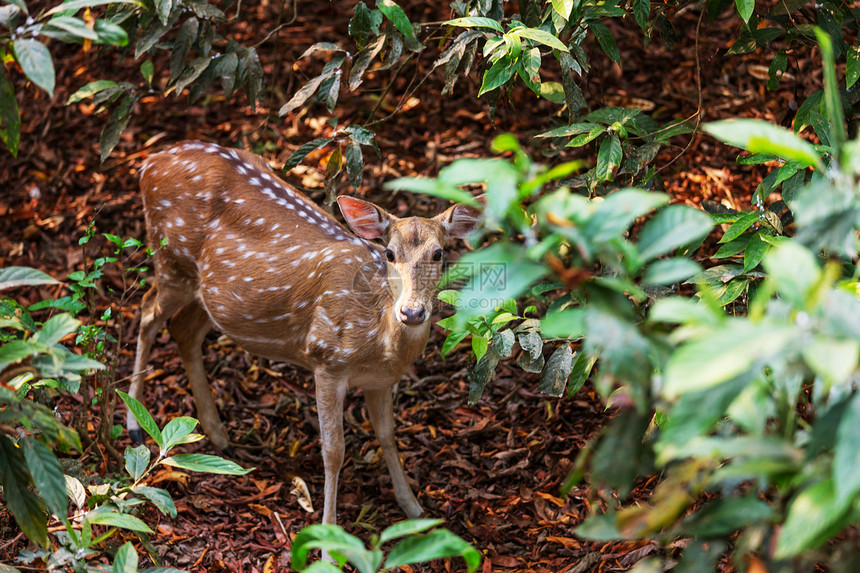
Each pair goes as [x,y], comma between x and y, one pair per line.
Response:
[35,487]
[418,545]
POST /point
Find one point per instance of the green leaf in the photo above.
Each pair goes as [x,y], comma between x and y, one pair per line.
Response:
[35,60]
[745,8]
[10,117]
[813,516]
[207,464]
[642,12]
[582,367]
[832,97]
[299,154]
[605,39]
[125,560]
[159,497]
[438,544]
[540,37]
[794,270]
[670,271]
[109,516]
[136,461]
[143,418]
[740,226]
[619,210]
[320,535]
[177,430]
[673,227]
[354,163]
[115,125]
[452,340]
[408,527]
[110,33]
[723,354]
[846,454]
[563,8]
[301,96]
[475,22]
[609,157]
[396,16]
[24,505]
[11,277]
[147,70]
[758,136]
[497,76]
[17,350]
[755,251]
[433,187]
[725,516]
[556,372]
[47,476]
[92,89]
[74,26]
[74,5]
[55,328]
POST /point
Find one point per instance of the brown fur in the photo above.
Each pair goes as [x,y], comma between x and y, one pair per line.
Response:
[250,256]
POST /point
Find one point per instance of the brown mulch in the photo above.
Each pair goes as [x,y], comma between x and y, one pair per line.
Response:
[491,471]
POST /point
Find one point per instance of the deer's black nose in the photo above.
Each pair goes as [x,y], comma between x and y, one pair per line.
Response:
[412,316]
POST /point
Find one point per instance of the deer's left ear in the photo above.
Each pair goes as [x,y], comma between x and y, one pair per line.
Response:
[461,220]
[366,219]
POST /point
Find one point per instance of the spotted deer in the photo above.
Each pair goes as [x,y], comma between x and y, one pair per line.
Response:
[240,251]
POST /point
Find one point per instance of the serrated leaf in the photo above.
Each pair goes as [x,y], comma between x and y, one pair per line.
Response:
[36,62]
[206,464]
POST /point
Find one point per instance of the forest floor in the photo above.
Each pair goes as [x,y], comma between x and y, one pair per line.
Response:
[492,471]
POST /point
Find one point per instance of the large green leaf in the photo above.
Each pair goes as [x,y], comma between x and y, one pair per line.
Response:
[557,371]
[109,516]
[605,39]
[177,431]
[725,516]
[745,8]
[24,505]
[143,418]
[438,544]
[92,88]
[396,16]
[408,527]
[36,61]
[609,156]
[540,37]
[619,210]
[159,497]
[125,560]
[498,75]
[47,476]
[56,328]
[723,354]
[814,515]
[73,6]
[758,136]
[136,461]
[11,277]
[670,271]
[673,227]
[320,535]
[207,464]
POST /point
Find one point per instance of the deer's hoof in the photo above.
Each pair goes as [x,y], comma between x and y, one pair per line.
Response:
[136,436]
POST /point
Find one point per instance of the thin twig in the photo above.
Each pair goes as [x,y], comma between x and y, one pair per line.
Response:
[698,114]
[386,90]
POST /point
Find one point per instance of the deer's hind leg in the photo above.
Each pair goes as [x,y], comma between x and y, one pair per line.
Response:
[189,328]
[157,306]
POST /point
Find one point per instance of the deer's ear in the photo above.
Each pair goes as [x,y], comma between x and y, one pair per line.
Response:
[461,220]
[366,219]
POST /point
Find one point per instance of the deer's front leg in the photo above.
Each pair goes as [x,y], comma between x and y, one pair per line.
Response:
[380,408]
[330,392]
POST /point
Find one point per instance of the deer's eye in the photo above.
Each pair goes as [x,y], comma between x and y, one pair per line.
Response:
[389,254]
[437,255]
